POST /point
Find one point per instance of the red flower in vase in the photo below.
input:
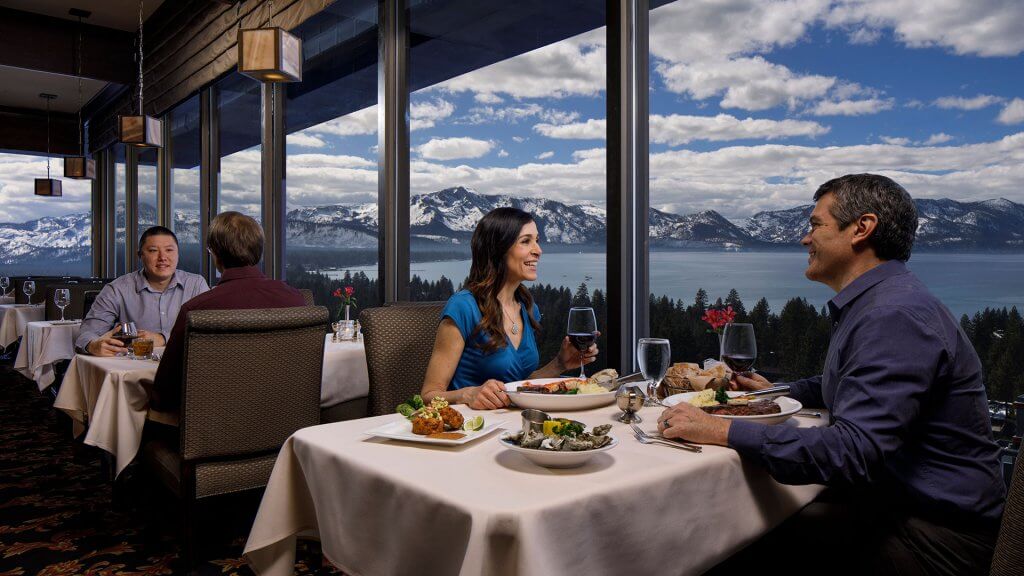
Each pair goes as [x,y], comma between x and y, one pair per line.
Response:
[717,318]
[347,295]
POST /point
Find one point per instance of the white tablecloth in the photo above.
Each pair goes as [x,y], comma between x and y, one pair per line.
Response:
[345,377]
[105,395]
[44,344]
[6,299]
[383,507]
[14,317]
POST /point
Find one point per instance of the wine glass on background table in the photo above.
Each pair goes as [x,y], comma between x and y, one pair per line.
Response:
[62,297]
[654,356]
[582,330]
[29,288]
[5,282]
[739,347]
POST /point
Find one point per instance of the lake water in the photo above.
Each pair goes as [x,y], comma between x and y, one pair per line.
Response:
[966,283]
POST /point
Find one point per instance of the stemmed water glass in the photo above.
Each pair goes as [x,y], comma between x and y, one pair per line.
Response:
[62,297]
[654,355]
[29,288]
[582,330]
[4,283]
[739,347]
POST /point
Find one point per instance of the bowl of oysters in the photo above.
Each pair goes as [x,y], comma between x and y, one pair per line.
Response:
[557,442]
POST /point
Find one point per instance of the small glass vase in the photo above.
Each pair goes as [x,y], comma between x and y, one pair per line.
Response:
[347,313]
[345,329]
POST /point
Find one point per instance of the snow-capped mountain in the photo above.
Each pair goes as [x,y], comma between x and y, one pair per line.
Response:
[448,217]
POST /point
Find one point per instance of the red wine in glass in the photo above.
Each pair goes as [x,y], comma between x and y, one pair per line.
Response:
[738,362]
[583,340]
[582,331]
[739,347]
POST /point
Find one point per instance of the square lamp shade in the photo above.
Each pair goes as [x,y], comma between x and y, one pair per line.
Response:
[269,55]
[141,131]
[48,187]
[79,168]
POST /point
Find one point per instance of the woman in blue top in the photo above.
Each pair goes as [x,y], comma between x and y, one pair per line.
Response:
[487,332]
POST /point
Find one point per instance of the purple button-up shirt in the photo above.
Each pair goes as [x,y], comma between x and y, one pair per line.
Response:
[908,406]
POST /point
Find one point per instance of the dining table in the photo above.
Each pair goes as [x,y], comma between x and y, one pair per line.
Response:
[381,506]
[43,345]
[106,401]
[14,317]
[6,300]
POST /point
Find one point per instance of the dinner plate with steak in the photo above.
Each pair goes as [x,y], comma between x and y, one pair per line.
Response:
[765,411]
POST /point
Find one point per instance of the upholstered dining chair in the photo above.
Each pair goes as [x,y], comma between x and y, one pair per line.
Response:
[1008,559]
[399,339]
[251,379]
[307,296]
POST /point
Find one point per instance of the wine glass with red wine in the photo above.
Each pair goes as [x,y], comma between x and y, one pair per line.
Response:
[582,330]
[739,347]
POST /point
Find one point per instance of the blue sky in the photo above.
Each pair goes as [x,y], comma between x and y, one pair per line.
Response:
[753,104]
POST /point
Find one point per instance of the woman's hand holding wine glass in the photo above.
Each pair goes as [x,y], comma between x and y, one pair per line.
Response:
[582,332]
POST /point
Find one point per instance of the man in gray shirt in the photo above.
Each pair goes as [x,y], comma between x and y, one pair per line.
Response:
[149,297]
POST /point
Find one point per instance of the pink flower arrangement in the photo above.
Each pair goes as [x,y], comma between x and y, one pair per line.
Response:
[718,318]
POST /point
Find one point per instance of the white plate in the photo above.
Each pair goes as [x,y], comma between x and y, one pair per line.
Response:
[788,405]
[557,458]
[401,429]
[557,402]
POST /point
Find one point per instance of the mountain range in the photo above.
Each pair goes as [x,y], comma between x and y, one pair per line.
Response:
[446,219]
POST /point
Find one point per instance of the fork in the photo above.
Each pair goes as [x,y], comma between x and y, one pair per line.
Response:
[645,438]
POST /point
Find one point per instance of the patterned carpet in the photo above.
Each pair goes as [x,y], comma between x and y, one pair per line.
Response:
[56,510]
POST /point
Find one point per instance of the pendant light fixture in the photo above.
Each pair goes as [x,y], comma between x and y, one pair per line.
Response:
[140,130]
[48,186]
[270,54]
[80,167]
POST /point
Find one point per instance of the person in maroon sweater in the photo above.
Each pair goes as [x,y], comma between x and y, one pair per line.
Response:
[236,244]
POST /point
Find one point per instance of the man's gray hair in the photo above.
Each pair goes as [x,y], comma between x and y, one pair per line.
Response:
[859,194]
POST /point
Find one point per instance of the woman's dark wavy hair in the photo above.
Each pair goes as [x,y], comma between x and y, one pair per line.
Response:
[495,235]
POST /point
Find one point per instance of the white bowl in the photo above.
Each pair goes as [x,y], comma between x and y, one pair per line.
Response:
[555,402]
[557,458]
[788,405]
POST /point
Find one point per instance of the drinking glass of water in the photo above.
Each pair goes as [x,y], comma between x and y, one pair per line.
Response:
[654,355]
[29,288]
[739,347]
[582,330]
[62,297]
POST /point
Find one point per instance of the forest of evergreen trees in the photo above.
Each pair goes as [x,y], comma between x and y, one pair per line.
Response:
[791,343]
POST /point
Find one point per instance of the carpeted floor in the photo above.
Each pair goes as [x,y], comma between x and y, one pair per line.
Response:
[56,505]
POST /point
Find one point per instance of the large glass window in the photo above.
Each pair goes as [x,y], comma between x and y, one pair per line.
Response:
[507,108]
[183,156]
[147,189]
[238,108]
[120,191]
[331,155]
[749,116]
[38,234]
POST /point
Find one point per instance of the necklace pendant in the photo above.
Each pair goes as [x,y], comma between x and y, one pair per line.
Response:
[515,328]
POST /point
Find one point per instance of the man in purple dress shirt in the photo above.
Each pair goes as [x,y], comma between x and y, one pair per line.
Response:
[908,455]
[236,244]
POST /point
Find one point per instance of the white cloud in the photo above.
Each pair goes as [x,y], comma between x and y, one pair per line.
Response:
[1013,112]
[852,107]
[519,139]
[515,114]
[362,122]
[454,148]
[303,140]
[960,103]
[896,141]
[676,129]
[864,36]
[940,138]
[18,202]
[746,83]
[502,153]
[488,98]
[979,27]
[425,114]
[545,155]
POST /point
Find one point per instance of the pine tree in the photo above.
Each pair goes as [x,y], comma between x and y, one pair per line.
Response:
[733,299]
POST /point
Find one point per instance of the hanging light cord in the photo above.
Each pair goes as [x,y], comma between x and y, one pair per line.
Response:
[141,112]
[270,14]
[48,138]
[81,128]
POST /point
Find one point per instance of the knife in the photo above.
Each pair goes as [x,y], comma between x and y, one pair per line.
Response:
[772,392]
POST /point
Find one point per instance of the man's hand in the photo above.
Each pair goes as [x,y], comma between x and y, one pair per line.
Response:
[106,345]
[752,381]
[691,423]
[156,337]
[488,396]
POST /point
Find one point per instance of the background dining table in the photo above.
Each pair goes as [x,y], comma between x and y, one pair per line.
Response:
[393,507]
[14,317]
[6,300]
[105,399]
[44,344]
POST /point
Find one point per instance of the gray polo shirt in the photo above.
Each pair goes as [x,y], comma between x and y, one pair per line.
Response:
[130,298]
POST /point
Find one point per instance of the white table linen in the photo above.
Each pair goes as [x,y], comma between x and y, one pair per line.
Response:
[44,344]
[385,507]
[345,376]
[104,394]
[14,317]
[6,299]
